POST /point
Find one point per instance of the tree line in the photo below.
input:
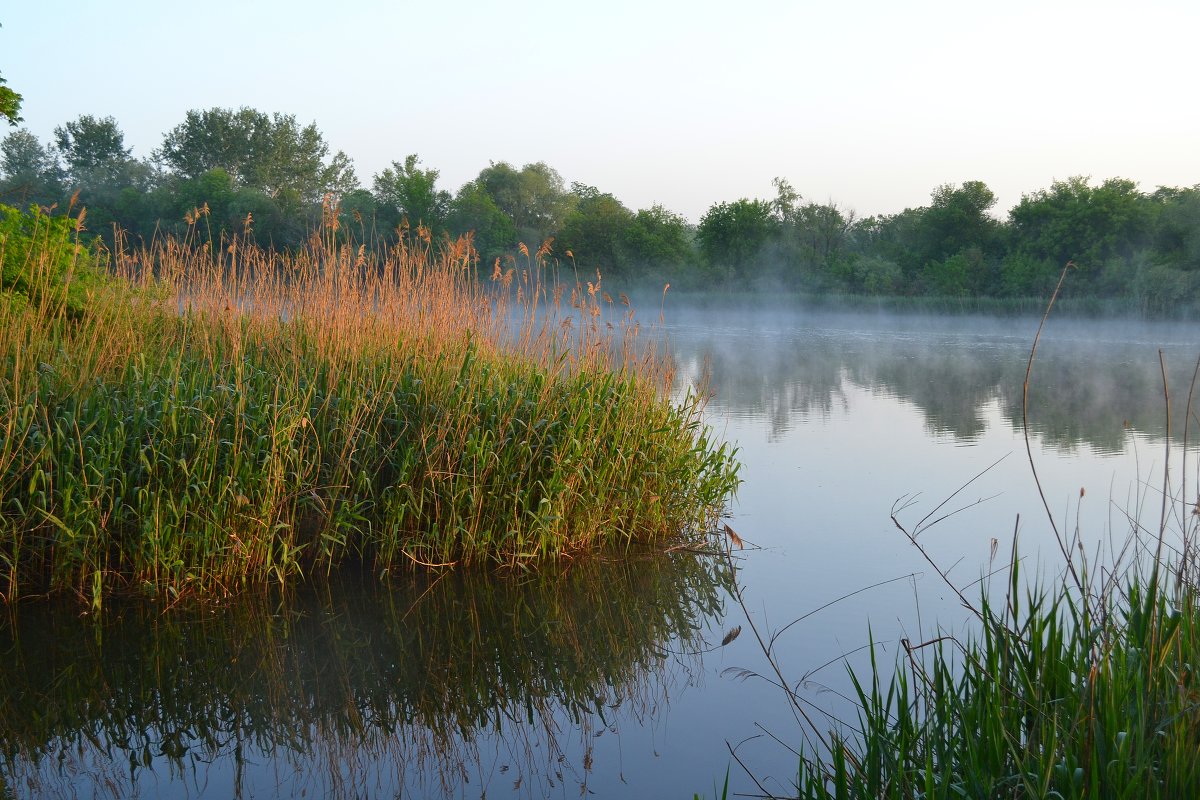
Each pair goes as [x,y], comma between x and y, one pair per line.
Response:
[237,170]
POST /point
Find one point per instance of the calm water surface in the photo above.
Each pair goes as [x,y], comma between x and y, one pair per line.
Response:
[609,679]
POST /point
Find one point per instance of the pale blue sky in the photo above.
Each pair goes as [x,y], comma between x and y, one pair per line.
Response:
[869,104]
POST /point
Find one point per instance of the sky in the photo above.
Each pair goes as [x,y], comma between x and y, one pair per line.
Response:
[870,105]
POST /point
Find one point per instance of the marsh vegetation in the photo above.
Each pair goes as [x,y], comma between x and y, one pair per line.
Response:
[218,415]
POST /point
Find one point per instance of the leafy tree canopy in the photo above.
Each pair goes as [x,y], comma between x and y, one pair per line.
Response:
[533,197]
[29,169]
[10,104]
[473,210]
[732,235]
[1073,220]
[272,153]
[594,231]
[411,193]
[93,149]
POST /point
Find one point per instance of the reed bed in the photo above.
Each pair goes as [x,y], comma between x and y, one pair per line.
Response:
[223,415]
[1053,698]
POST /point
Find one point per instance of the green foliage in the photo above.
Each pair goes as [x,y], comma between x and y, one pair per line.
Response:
[10,104]
[659,241]
[595,231]
[43,266]
[273,154]
[876,275]
[475,211]
[375,422]
[533,198]
[408,193]
[1058,696]
[93,149]
[1074,221]
[29,170]
[1177,233]
[960,275]
[733,235]
[815,241]
[956,220]
[243,166]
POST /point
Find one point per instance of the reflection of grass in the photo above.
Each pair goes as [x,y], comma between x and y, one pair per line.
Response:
[415,673]
[259,416]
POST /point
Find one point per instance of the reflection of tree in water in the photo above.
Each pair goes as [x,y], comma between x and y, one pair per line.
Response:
[1085,387]
[351,689]
[764,378]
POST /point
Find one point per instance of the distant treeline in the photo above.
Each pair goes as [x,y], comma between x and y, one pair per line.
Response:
[225,171]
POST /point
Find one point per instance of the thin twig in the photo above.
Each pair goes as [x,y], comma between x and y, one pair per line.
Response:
[1025,428]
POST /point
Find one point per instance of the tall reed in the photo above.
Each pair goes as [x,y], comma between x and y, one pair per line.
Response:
[224,414]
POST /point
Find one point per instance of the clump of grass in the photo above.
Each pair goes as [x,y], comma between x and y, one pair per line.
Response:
[1054,698]
[224,415]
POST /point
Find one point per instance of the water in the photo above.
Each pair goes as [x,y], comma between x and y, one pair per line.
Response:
[609,678]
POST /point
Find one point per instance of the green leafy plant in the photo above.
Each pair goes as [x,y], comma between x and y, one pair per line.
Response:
[43,263]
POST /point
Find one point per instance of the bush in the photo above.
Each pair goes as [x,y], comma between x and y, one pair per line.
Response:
[43,264]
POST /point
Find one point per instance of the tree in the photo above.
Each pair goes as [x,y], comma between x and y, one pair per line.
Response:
[733,235]
[271,153]
[658,240]
[29,169]
[820,234]
[411,193]
[474,210]
[1176,240]
[893,238]
[533,197]
[1074,221]
[10,104]
[958,219]
[955,240]
[93,149]
[595,230]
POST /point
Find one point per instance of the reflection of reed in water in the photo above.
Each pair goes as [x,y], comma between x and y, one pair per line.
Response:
[350,689]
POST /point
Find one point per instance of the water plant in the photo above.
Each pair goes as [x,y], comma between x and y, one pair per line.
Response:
[220,414]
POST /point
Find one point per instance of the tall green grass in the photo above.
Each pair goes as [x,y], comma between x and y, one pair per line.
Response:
[1054,697]
[222,414]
